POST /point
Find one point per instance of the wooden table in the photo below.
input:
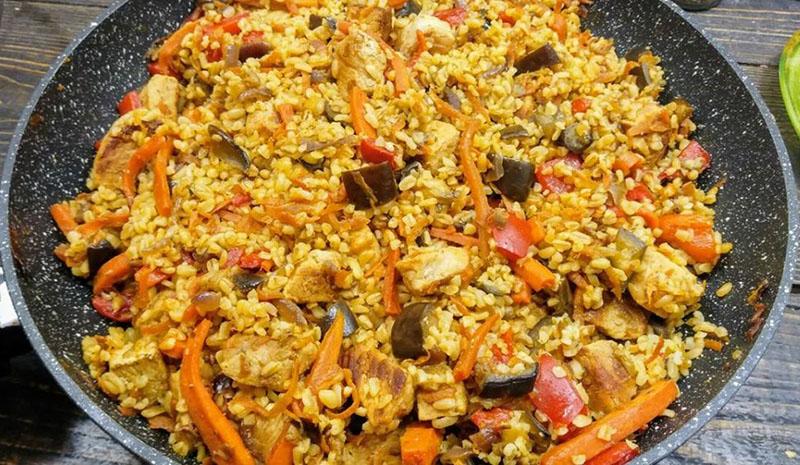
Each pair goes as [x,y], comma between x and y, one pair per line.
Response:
[40,425]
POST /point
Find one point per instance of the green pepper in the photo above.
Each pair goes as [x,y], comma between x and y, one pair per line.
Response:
[789,74]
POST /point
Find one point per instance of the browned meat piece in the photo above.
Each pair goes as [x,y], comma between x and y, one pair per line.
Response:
[423,269]
[445,401]
[372,19]
[619,319]
[113,154]
[136,370]
[262,436]
[664,287]
[358,60]
[162,93]
[371,447]
[312,281]
[262,361]
[438,35]
[394,397]
[606,378]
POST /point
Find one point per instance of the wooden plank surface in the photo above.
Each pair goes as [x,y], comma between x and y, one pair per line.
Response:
[42,426]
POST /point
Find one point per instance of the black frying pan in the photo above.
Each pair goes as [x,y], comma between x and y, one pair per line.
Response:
[51,153]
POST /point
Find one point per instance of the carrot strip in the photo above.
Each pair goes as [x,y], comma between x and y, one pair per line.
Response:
[558,22]
[112,272]
[146,277]
[478,106]
[396,3]
[419,445]
[446,109]
[282,404]
[451,235]
[402,79]
[160,182]
[473,178]
[390,284]
[62,215]
[536,275]
[357,101]
[286,112]
[326,367]
[110,220]
[656,351]
[701,246]
[218,433]
[282,453]
[422,47]
[171,47]
[523,297]
[621,423]
[713,344]
[466,361]
[155,328]
[537,230]
[351,410]
[137,162]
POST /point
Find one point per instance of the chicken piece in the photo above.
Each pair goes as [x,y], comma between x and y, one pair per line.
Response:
[370,447]
[423,269]
[312,280]
[261,436]
[439,36]
[358,60]
[136,370]
[606,378]
[162,93]
[372,19]
[619,319]
[386,390]
[443,140]
[444,401]
[113,154]
[664,287]
[262,361]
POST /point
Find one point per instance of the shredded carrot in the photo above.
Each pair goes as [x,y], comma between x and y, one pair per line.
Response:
[282,404]
[536,275]
[622,422]
[459,304]
[446,109]
[171,46]
[558,22]
[397,3]
[326,367]
[402,79]
[375,266]
[713,344]
[390,284]
[523,297]
[702,244]
[656,351]
[137,162]
[477,105]
[62,215]
[351,410]
[422,47]
[175,351]
[155,328]
[282,453]
[473,178]
[343,27]
[160,182]
[650,219]
[109,220]
[466,361]
[357,101]
[286,112]
[218,433]
[112,272]
[451,235]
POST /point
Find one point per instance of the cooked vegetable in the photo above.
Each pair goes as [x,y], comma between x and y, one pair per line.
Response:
[374,153]
[618,454]
[62,215]
[290,311]
[389,294]
[629,248]
[473,179]
[576,138]
[314,21]
[169,49]
[580,105]
[494,386]
[326,369]
[639,193]
[564,295]
[113,306]
[246,281]
[129,102]
[98,254]
[554,394]
[370,186]
[627,161]
[217,432]
[548,123]
[225,148]
[137,162]
[451,235]
[112,272]
[622,423]
[789,74]
[512,237]
[558,22]
[553,182]
[254,49]
[469,355]
[350,322]
[454,16]
[409,169]
[308,145]
[146,278]
[691,233]
[282,453]
[452,98]
[407,332]
[206,301]
[536,275]
[543,57]
[695,156]
[513,132]
[360,125]
[161,191]
[634,53]
[410,7]
[642,74]
[495,419]
[419,445]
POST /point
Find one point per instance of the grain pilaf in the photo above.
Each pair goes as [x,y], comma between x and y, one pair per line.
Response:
[396,232]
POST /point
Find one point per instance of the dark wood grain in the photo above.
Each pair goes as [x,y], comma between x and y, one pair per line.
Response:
[42,426]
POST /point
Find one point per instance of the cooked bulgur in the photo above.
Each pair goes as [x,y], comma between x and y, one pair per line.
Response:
[339,232]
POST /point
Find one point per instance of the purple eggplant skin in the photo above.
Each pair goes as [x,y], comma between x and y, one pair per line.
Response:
[509,386]
[407,333]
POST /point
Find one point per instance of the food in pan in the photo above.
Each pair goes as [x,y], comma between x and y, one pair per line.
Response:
[405,232]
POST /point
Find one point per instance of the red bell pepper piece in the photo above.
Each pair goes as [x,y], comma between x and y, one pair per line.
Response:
[552,182]
[639,193]
[618,454]
[229,25]
[494,419]
[453,16]
[513,238]
[580,105]
[374,153]
[104,305]
[129,102]
[507,18]
[694,151]
[555,397]
[250,261]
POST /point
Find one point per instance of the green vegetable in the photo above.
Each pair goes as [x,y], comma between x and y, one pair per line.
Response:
[789,73]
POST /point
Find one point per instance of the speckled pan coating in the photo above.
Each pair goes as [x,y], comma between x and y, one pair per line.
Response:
[51,152]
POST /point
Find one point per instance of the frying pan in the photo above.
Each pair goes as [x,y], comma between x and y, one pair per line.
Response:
[51,154]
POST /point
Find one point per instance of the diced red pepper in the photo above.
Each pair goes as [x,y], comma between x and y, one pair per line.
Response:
[618,454]
[104,305]
[154,68]
[553,183]
[694,151]
[229,25]
[453,16]
[234,255]
[513,238]
[250,261]
[500,355]
[374,153]
[580,105]
[494,419]
[129,102]
[639,193]
[213,54]
[555,396]
[507,18]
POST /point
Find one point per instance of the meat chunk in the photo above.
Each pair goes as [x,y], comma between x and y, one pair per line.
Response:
[386,390]
[262,361]
[371,447]
[606,378]
[438,35]
[312,280]
[423,269]
[162,93]
[113,154]
[372,19]
[261,436]
[664,287]
[137,371]
[442,139]
[358,60]
[442,402]
[619,319]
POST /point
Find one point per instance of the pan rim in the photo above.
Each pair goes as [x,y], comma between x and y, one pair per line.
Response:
[156,456]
